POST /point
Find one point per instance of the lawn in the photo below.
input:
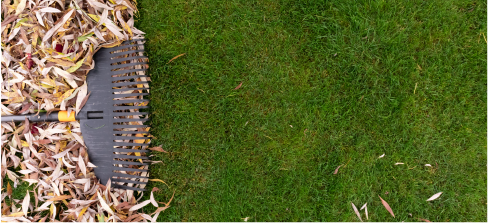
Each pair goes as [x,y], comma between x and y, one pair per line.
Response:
[324,83]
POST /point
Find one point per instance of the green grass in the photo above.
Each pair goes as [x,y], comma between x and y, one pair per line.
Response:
[363,78]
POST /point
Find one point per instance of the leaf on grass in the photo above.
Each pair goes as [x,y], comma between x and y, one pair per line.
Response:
[9,189]
[159,149]
[176,57]
[387,206]
[356,211]
[399,163]
[435,196]
[59,198]
[421,219]
[238,86]
[381,156]
[337,169]
[365,207]
[153,201]
[428,165]
[25,203]
[158,180]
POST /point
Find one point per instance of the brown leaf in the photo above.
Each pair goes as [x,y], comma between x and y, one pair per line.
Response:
[176,57]
[84,100]
[159,149]
[387,206]
[25,107]
[421,219]
[26,126]
[9,19]
[9,189]
[59,198]
[337,169]
[238,86]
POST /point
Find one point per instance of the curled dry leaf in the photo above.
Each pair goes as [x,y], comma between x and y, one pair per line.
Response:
[399,164]
[176,57]
[337,169]
[428,165]
[435,196]
[356,211]
[381,156]
[387,206]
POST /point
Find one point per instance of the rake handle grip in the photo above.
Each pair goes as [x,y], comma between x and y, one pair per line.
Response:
[61,116]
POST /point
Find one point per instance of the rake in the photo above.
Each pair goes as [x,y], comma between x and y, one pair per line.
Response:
[117,85]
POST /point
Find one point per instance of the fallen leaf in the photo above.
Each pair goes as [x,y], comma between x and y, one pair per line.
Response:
[435,196]
[365,207]
[59,198]
[245,219]
[399,163]
[387,206]
[337,169]
[139,206]
[356,211]
[176,57]
[238,86]
[25,203]
[421,219]
[158,180]
[159,149]
[428,165]
[381,156]
[104,204]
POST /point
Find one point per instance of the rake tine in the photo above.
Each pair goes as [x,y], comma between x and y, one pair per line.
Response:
[116,168]
[117,108]
[126,52]
[129,83]
[130,163]
[129,95]
[128,175]
[130,137]
[127,187]
[132,89]
[130,132]
[130,157]
[129,126]
[127,181]
[127,65]
[130,144]
[129,77]
[119,150]
[128,59]
[116,102]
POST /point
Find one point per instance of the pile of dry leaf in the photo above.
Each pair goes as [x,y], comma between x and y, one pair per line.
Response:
[47,50]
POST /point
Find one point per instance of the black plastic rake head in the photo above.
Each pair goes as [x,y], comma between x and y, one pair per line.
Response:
[111,121]
[112,128]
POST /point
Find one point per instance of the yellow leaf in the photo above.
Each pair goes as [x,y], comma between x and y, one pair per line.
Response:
[64,96]
[78,65]
[61,62]
[20,23]
[24,143]
[80,216]
[94,17]
[158,180]
[16,214]
[58,198]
